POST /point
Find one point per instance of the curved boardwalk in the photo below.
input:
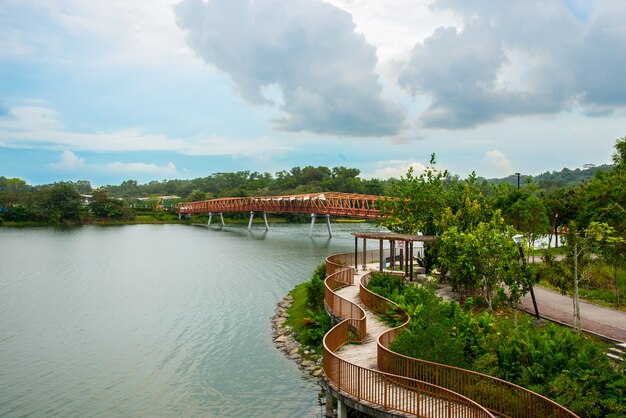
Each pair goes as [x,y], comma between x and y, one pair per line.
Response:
[361,370]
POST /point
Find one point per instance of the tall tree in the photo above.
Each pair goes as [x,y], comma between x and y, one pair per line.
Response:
[608,244]
[482,259]
[533,220]
[63,202]
[418,202]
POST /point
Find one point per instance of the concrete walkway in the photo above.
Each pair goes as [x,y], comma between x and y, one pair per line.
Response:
[606,322]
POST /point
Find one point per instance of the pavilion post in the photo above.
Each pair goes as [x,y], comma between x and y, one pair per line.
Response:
[411,266]
[364,260]
[406,259]
[381,257]
[356,254]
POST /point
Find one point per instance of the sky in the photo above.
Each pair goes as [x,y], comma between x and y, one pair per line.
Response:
[160,89]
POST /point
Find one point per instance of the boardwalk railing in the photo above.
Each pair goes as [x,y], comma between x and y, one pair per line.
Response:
[385,390]
[498,396]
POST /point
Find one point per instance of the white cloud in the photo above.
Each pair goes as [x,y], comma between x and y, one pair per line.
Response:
[394,27]
[126,32]
[498,161]
[40,127]
[306,49]
[169,169]
[517,59]
[68,160]
[395,169]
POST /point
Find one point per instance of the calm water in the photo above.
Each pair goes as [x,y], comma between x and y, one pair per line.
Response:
[161,320]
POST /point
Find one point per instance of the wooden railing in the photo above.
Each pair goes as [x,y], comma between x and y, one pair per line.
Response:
[498,396]
[385,390]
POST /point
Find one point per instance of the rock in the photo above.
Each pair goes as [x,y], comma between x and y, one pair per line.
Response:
[308,364]
[318,372]
[283,331]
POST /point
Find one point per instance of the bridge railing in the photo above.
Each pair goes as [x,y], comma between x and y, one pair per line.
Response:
[382,389]
[337,204]
[498,396]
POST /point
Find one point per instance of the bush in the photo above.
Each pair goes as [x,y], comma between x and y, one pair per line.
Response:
[315,288]
[386,285]
[553,361]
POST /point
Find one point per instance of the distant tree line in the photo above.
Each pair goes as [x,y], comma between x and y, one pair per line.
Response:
[530,208]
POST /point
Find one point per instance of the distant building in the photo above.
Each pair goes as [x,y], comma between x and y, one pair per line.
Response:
[166,203]
[85,199]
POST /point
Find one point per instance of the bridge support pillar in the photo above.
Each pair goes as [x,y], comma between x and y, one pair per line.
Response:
[250,221]
[330,230]
[267,228]
[313,216]
[342,409]
[329,402]
[210,218]
[222,219]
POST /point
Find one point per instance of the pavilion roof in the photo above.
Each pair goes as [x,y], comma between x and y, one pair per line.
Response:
[392,236]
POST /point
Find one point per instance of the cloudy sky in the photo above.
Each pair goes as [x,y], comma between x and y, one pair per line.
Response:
[155,89]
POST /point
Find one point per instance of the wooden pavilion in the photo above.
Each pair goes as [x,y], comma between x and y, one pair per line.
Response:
[400,249]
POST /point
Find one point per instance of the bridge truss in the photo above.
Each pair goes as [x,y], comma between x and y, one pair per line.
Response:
[327,203]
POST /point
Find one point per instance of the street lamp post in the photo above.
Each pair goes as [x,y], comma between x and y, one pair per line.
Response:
[518,174]
[518,240]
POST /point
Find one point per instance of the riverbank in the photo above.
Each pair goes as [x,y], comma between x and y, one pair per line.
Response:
[284,338]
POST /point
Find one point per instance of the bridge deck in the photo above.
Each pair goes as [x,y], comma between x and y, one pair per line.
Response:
[327,203]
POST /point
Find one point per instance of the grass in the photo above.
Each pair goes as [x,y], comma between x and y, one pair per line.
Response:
[600,297]
[298,310]
[539,251]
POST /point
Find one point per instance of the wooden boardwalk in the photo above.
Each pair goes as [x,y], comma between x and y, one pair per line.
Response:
[430,400]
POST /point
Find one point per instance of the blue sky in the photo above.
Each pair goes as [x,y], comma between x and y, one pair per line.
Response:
[159,89]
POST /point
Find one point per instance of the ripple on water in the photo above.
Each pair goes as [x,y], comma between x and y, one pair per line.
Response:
[151,320]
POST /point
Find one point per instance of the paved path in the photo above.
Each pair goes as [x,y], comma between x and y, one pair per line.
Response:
[606,322]
[364,354]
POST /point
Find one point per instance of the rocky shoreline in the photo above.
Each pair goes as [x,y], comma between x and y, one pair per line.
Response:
[307,359]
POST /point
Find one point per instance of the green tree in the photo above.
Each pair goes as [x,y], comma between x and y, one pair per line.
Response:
[483,259]
[562,205]
[533,220]
[102,206]
[418,202]
[197,195]
[63,202]
[611,247]
[619,157]
[572,270]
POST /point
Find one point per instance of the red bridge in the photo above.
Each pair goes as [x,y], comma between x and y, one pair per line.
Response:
[327,203]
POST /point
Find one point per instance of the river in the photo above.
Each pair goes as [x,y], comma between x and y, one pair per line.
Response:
[153,320]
